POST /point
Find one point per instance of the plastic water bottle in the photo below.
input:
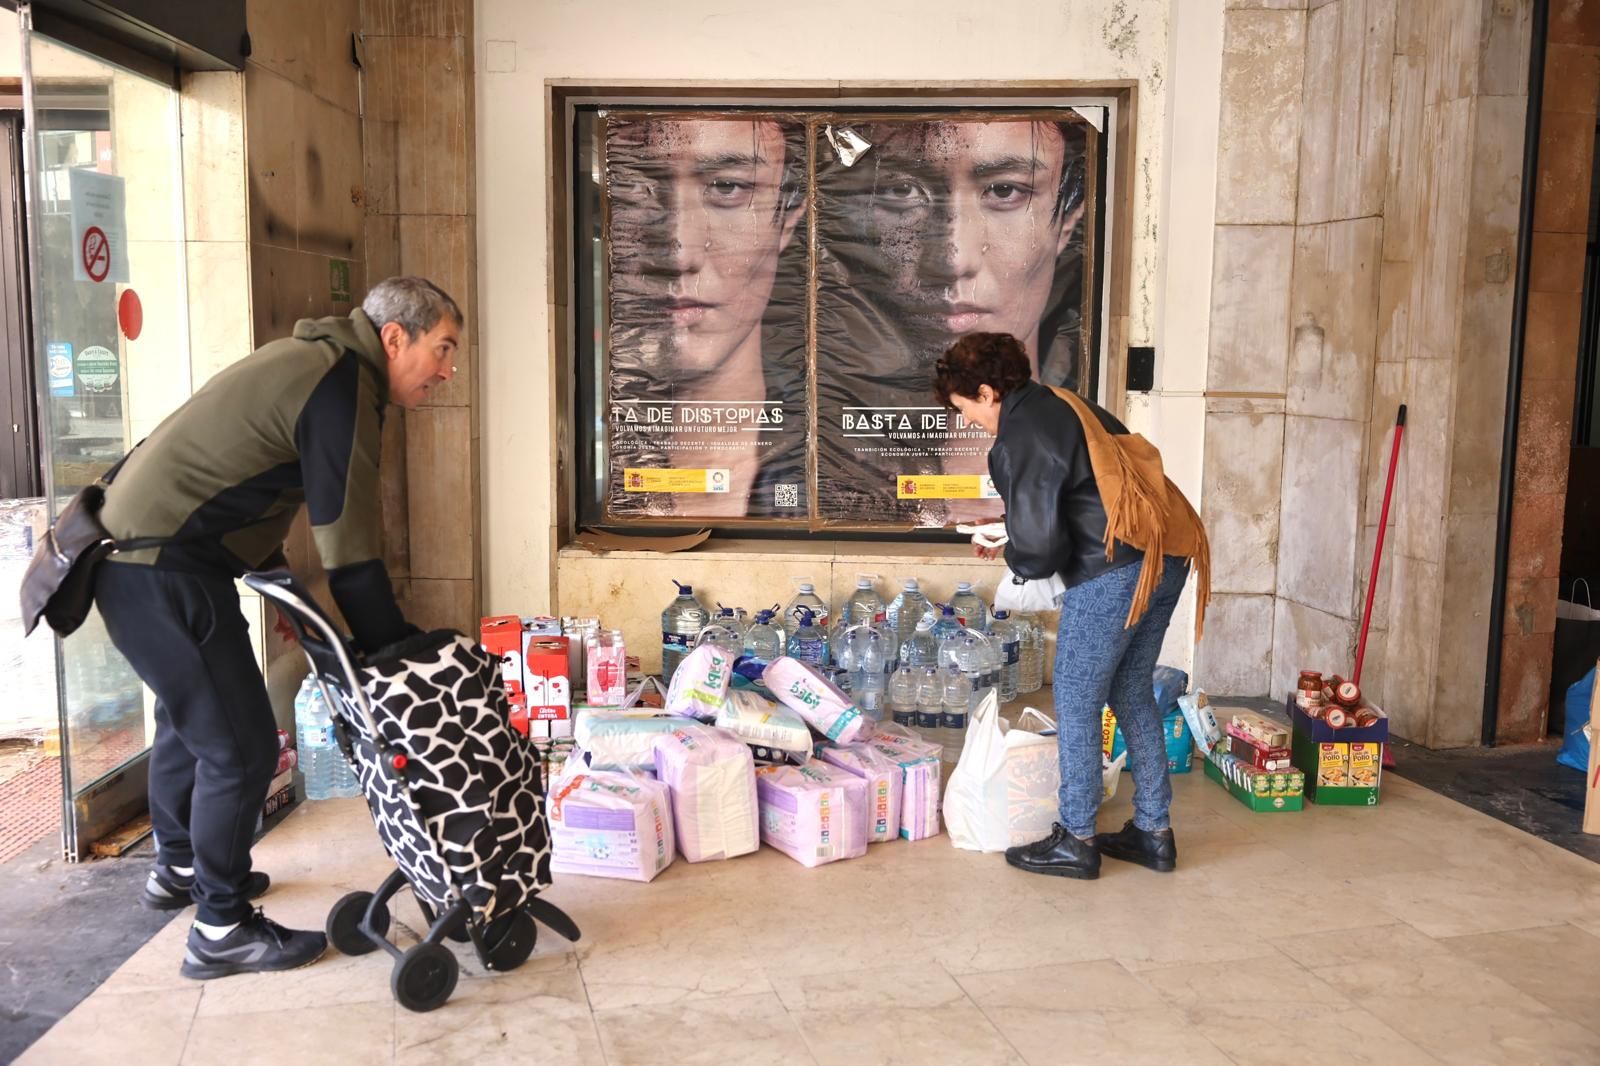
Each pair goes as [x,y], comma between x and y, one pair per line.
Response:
[806,599]
[864,607]
[681,623]
[946,625]
[763,641]
[905,614]
[724,635]
[903,696]
[313,728]
[930,701]
[809,643]
[871,659]
[1008,635]
[920,649]
[735,618]
[1031,673]
[969,608]
[953,716]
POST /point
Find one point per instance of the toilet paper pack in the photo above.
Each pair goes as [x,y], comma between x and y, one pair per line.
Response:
[814,813]
[711,777]
[610,825]
[801,688]
[885,785]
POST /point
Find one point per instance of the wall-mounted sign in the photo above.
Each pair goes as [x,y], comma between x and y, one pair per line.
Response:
[99,226]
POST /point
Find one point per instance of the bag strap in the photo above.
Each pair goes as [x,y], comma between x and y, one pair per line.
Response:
[1588,598]
[1029,712]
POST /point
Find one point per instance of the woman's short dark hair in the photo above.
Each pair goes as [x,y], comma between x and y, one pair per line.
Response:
[997,360]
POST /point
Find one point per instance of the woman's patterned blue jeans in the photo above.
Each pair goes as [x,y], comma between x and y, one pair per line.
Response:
[1100,662]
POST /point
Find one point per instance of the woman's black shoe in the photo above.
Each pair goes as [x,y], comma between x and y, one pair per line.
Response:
[1060,855]
[1155,851]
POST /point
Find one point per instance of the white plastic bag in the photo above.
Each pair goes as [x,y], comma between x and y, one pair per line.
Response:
[1021,596]
[1003,791]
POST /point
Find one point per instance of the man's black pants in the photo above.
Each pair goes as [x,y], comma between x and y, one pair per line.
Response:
[216,743]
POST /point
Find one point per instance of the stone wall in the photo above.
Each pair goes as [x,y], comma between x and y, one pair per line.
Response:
[1367,206]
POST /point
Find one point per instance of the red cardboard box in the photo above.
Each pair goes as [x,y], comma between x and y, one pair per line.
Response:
[501,636]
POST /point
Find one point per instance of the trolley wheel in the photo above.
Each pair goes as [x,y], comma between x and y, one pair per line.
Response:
[424,977]
[516,945]
[344,924]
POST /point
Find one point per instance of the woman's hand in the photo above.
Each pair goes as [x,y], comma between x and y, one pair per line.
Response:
[987,553]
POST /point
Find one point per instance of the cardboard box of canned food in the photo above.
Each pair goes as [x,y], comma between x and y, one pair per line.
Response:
[1343,767]
[1260,790]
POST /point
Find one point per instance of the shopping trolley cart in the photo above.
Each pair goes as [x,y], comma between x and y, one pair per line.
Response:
[454,791]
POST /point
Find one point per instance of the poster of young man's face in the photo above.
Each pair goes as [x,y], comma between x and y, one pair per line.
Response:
[707,313]
[925,229]
[928,230]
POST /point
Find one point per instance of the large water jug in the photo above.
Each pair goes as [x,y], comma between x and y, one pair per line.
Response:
[969,607]
[905,614]
[681,623]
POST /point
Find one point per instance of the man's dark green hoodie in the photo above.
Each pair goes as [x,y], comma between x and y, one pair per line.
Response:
[297,421]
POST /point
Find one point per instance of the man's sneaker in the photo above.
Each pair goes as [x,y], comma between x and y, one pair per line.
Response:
[165,890]
[257,945]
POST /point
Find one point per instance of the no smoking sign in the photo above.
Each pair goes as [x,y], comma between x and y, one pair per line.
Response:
[96,253]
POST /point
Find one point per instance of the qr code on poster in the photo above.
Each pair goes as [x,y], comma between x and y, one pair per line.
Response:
[786,496]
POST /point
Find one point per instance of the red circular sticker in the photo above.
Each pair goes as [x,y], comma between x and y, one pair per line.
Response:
[96,253]
[130,314]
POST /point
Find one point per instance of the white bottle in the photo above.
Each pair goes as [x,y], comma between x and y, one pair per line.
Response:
[969,608]
[905,614]
[903,696]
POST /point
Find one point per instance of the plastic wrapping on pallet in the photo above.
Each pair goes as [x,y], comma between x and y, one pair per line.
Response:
[610,825]
[885,785]
[803,689]
[814,813]
[699,687]
[711,777]
[760,721]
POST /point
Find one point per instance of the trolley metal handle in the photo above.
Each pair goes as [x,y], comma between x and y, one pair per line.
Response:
[308,614]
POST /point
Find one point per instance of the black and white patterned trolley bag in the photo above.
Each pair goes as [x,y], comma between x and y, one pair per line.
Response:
[454,790]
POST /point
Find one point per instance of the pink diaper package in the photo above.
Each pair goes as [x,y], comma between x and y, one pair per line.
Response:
[712,780]
[699,687]
[919,807]
[814,813]
[885,785]
[610,825]
[825,708]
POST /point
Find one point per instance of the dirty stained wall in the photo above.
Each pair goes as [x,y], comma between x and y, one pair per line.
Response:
[1365,248]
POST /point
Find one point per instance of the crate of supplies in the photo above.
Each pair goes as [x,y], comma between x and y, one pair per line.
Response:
[1343,765]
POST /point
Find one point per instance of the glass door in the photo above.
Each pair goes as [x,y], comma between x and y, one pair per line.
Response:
[111,358]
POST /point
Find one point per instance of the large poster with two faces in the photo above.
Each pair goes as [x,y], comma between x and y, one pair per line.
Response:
[780,286]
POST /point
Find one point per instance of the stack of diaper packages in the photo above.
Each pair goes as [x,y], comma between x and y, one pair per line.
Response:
[814,813]
[609,824]
[921,782]
[712,780]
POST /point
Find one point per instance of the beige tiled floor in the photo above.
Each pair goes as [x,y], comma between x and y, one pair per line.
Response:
[1417,932]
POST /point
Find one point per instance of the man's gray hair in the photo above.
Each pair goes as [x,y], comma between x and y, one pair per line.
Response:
[415,304]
